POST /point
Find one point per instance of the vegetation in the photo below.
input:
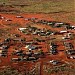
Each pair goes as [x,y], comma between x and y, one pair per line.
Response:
[22,70]
[56,8]
[42,6]
[50,6]
[64,69]
[4,31]
[9,71]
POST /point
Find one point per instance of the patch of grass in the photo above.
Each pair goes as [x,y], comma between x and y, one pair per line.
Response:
[71,17]
[55,7]
[43,6]
[50,6]
[60,69]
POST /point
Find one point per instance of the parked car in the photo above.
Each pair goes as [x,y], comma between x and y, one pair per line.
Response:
[19,16]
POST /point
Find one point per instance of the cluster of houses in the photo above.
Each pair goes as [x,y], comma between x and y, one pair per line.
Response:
[68,45]
[36,31]
[55,62]
[3,50]
[27,56]
[32,52]
[53,23]
[42,21]
[70,51]
[70,54]
[68,36]
[53,48]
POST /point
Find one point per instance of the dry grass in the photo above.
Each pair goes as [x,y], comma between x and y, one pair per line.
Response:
[60,8]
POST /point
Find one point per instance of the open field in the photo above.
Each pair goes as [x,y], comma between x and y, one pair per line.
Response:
[65,8]
[41,6]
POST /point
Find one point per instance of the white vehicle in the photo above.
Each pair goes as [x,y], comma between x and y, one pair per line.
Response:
[59,23]
[63,31]
[19,16]
[21,29]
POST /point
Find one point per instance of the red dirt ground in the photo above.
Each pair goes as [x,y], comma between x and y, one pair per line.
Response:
[3,25]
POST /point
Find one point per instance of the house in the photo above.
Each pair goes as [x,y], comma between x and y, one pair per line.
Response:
[2,17]
[19,53]
[8,20]
[7,40]
[72,27]
[48,32]
[28,53]
[27,19]
[33,18]
[24,59]
[69,45]
[44,21]
[53,51]
[4,51]
[1,43]
[21,29]
[35,33]
[33,48]
[32,58]
[64,31]
[17,35]
[32,28]
[64,38]
[5,47]
[70,52]
[4,55]
[58,24]
[61,23]
[30,47]
[27,46]
[15,59]
[72,57]
[51,23]
[67,36]
[53,48]
[17,39]
[54,62]
[36,53]
[19,16]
